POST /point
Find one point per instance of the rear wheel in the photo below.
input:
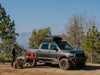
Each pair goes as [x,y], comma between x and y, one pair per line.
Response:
[64,64]
[33,63]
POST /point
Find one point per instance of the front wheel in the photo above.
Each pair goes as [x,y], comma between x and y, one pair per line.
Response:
[64,64]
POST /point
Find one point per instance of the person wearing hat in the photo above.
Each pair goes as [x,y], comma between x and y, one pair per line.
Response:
[13,54]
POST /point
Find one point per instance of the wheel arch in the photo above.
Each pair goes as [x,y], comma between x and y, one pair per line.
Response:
[61,57]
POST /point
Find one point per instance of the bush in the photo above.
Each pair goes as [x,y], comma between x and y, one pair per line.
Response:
[96,58]
[4,57]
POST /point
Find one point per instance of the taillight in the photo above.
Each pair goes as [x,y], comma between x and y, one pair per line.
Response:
[25,50]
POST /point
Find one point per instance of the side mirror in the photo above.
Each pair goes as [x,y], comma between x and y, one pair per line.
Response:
[55,49]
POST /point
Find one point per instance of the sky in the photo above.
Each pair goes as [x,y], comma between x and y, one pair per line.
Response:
[36,14]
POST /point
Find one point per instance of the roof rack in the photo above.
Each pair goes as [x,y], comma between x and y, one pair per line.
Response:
[52,39]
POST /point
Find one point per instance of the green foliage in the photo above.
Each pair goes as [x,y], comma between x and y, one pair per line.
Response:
[91,41]
[20,50]
[4,57]
[38,36]
[7,32]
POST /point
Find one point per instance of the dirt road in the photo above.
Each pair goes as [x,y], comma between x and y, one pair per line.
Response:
[41,69]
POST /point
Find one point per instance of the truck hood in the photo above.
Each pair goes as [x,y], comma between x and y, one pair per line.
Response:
[72,51]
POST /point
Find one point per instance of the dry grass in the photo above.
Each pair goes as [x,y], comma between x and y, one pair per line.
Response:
[41,69]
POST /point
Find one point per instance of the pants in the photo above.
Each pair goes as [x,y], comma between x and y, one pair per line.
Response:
[13,59]
[28,60]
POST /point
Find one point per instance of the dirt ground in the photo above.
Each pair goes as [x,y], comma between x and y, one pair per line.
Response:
[41,69]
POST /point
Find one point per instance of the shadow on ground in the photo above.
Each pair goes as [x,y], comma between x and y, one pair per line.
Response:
[87,67]
[44,66]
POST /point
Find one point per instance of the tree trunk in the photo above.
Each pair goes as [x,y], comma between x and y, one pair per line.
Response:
[92,56]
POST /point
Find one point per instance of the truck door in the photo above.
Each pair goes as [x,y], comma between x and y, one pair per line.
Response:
[43,51]
[53,53]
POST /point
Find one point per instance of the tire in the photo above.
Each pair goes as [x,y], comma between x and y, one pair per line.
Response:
[33,63]
[64,64]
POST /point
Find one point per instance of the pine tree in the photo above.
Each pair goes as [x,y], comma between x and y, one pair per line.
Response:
[91,43]
[7,32]
[38,36]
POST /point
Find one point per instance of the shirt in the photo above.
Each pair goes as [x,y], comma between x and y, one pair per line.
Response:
[31,58]
[13,52]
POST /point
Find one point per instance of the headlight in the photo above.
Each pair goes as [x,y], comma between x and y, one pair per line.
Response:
[71,54]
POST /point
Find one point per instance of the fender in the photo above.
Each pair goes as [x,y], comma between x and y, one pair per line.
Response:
[62,57]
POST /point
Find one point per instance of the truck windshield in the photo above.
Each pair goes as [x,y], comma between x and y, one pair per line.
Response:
[65,46]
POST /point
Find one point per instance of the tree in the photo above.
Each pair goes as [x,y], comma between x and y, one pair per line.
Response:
[91,43]
[75,30]
[38,36]
[20,50]
[7,32]
[63,35]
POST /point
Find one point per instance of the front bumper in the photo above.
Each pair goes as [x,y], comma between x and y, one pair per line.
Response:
[77,60]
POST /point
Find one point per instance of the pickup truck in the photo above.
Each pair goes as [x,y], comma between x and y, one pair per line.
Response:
[54,50]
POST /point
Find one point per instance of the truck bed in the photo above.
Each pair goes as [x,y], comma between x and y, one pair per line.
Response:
[32,50]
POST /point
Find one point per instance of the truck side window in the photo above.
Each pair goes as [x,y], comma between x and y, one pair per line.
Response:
[53,47]
[44,46]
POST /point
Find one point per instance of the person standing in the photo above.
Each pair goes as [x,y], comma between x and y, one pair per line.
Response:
[13,54]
